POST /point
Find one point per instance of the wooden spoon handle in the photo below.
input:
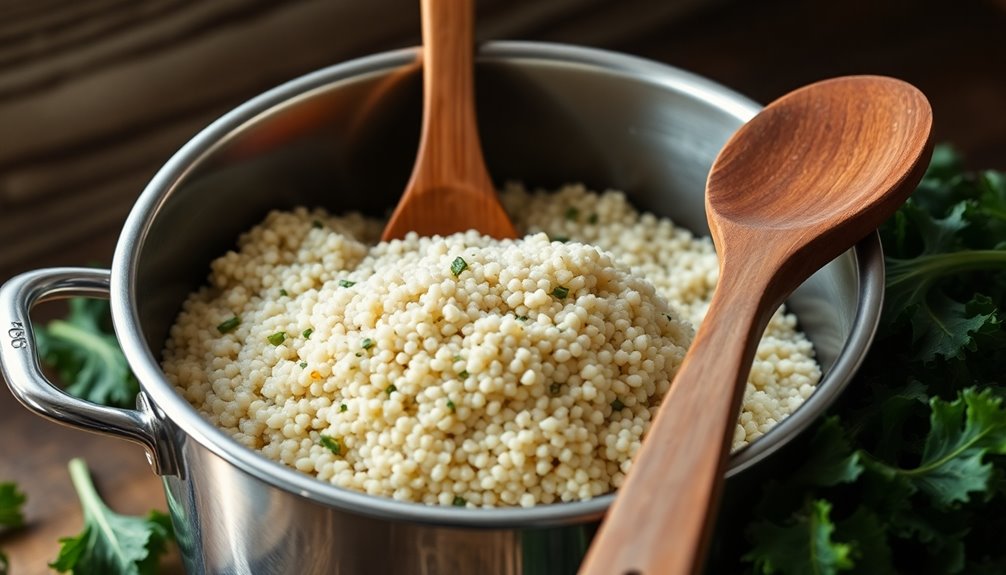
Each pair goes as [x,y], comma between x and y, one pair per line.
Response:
[450,154]
[661,519]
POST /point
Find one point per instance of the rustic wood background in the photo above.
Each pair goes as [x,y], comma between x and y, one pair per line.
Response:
[96,94]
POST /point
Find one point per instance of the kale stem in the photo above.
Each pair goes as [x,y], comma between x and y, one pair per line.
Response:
[90,501]
[937,265]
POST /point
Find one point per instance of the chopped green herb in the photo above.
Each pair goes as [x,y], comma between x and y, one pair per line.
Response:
[229,325]
[303,364]
[307,333]
[346,283]
[554,389]
[451,406]
[277,338]
[592,219]
[367,343]
[522,318]
[459,501]
[391,388]
[463,374]
[572,214]
[560,239]
[560,292]
[331,443]
[458,265]
[283,292]
[358,354]
[457,357]
[617,405]
[343,408]
[317,224]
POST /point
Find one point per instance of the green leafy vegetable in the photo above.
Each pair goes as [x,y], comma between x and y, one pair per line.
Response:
[907,475]
[277,338]
[111,544]
[803,546]
[458,265]
[459,501]
[86,355]
[283,292]
[307,333]
[11,501]
[560,292]
[346,283]
[367,343]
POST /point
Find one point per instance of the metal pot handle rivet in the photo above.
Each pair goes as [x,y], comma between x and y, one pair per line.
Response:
[20,366]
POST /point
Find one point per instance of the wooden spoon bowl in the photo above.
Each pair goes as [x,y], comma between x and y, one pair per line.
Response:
[450,189]
[803,181]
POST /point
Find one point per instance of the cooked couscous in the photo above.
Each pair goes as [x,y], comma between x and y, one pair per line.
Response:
[463,370]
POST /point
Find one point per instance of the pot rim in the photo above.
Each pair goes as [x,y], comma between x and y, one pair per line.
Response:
[867,255]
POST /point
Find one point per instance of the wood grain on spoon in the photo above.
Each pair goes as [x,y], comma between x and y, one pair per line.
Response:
[803,181]
[450,189]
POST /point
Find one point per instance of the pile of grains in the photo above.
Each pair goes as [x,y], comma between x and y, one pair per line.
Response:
[463,370]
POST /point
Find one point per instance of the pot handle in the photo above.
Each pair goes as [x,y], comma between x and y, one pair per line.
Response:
[20,366]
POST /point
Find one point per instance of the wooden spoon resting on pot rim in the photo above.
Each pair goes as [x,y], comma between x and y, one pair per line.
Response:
[804,180]
[450,190]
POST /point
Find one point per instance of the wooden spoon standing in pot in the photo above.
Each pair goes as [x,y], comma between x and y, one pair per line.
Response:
[808,177]
[450,190]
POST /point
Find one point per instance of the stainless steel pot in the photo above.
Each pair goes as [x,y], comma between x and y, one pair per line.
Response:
[344,137]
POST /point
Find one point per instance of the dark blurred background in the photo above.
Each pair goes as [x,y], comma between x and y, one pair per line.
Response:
[96,94]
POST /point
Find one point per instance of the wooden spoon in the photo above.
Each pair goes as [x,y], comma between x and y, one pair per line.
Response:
[450,189]
[813,173]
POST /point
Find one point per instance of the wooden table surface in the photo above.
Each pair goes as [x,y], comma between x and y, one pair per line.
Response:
[67,182]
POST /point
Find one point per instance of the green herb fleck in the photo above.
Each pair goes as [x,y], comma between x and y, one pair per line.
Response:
[346,283]
[358,354]
[391,388]
[451,406]
[463,374]
[592,219]
[458,265]
[277,338]
[367,343]
[457,357]
[303,364]
[459,501]
[331,443]
[343,408]
[307,333]
[554,389]
[283,292]
[572,214]
[560,292]
[229,325]
[560,239]
[617,405]
[522,318]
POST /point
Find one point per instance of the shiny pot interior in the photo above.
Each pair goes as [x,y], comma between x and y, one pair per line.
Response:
[345,138]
